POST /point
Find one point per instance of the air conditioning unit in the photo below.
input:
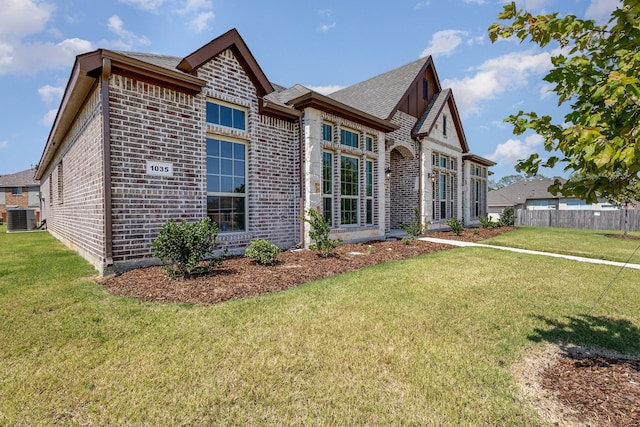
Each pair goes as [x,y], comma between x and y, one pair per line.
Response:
[21,220]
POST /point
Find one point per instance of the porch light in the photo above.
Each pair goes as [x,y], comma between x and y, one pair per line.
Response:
[431,176]
[388,172]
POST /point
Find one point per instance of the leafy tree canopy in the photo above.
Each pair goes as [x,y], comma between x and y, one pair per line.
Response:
[597,72]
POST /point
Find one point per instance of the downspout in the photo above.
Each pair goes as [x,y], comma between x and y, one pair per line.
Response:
[106,159]
[302,174]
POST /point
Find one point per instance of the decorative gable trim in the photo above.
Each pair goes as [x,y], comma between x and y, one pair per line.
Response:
[229,40]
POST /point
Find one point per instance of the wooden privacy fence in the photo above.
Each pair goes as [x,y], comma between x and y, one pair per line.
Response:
[594,220]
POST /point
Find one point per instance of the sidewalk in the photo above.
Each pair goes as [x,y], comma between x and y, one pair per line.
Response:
[527,251]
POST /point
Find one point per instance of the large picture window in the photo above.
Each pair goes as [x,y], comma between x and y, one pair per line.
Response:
[226,184]
[369,191]
[349,191]
[226,115]
[327,132]
[327,185]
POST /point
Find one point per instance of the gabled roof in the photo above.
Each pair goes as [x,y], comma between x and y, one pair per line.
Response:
[229,40]
[380,95]
[19,179]
[434,110]
[521,191]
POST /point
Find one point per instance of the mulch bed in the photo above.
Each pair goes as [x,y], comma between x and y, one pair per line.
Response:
[604,389]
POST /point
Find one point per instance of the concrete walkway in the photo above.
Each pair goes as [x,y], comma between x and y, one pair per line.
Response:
[526,251]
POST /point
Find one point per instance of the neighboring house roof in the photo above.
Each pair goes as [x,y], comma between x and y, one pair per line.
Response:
[380,95]
[20,179]
[521,191]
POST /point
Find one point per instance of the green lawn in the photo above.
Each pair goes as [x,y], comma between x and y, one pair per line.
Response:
[424,341]
[569,241]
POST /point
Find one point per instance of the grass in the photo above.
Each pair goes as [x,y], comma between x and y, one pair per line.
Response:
[568,241]
[426,341]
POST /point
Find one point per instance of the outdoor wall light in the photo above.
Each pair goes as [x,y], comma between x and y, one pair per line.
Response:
[388,172]
[431,176]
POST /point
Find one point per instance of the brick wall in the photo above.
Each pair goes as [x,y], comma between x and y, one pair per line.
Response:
[273,158]
[405,163]
[73,200]
[152,123]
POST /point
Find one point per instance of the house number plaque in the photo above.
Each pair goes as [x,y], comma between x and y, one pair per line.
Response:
[159,168]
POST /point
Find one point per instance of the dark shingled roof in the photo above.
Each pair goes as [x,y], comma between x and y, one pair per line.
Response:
[283,96]
[428,119]
[521,191]
[19,179]
[164,61]
[380,95]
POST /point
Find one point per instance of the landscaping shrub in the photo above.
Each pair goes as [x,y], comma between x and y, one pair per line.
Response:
[263,252]
[182,245]
[456,225]
[508,216]
[486,222]
[320,229]
[415,227]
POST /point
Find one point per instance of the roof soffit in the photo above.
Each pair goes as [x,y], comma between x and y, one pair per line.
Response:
[229,40]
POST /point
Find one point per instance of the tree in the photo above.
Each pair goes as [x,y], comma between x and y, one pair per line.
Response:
[505,181]
[597,72]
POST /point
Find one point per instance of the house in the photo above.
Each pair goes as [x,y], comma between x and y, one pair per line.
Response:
[19,191]
[140,139]
[533,194]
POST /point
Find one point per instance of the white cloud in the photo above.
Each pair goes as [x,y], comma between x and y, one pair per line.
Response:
[600,10]
[127,39]
[475,1]
[546,90]
[326,27]
[201,22]
[475,40]
[150,5]
[51,94]
[326,90]
[49,118]
[513,150]
[31,58]
[496,76]
[20,18]
[444,43]
[499,124]
[196,5]
[4,144]
[422,4]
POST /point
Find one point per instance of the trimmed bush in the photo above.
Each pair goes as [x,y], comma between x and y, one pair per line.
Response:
[182,245]
[508,216]
[456,225]
[263,252]
[320,229]
[415,227]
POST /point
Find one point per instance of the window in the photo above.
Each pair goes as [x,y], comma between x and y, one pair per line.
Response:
[60,184]
[425,88]
[443,162]
[349,138]
[444,125]
[476,198]
[327,132]
[226,115]
[226,184]
[327,186]
[369,143]
[16,191]
[349,190]
[369,191]
[443,196]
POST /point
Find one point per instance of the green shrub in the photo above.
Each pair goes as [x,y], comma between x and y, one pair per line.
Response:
[508,216]
[486,222]
[181,246]
[263,252]
[456,225]
[406,240]
[320,229]
[415,227]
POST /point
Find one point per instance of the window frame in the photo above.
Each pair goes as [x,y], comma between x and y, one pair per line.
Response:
[234,109]
[17,191]
[353,197]
[233,162]
[369,180]
[327,185]
[351,133]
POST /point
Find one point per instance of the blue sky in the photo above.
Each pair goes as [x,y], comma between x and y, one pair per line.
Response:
[322,44]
